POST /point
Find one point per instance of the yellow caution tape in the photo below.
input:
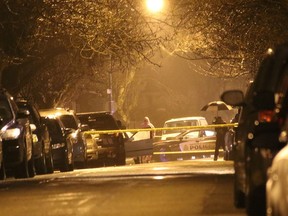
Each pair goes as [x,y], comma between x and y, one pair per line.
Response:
[187,152]
[160,129]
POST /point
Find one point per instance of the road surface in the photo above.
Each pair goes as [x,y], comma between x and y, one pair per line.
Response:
[173,188]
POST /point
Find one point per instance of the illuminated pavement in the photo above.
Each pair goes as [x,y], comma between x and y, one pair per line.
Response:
[202,187]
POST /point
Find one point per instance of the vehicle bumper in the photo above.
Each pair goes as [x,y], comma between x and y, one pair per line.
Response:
[59,156]
[92,154]
[107,152]
[79,154]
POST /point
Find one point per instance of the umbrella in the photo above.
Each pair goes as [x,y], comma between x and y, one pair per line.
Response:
[216,106]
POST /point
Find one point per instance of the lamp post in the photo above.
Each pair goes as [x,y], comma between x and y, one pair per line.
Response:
[111,103]
[109,92]
[154,6]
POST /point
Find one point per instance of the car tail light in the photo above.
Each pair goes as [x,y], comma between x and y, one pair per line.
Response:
[266,116]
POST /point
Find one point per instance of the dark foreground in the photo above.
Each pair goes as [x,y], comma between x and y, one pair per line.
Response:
[130,190]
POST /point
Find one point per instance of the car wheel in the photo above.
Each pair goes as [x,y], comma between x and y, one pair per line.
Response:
[83,164]
[137,160]
[256,182]
[164,157]
[2,171]
[21,170]
[239,196]
[121,156]
[49,162]
[226,154]
[40,164]
[65,165]
[97,163]
[71,167]
[256,201]
[31,167]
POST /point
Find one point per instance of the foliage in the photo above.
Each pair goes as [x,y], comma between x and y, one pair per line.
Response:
[232,36]
[95,34]
[52,51]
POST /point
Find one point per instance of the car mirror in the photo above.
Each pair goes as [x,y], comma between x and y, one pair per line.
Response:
[69,130]
[233,97]
[85,127]
[33,127]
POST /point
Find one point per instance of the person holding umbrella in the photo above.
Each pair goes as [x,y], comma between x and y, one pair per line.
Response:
[220,131]
[220,136]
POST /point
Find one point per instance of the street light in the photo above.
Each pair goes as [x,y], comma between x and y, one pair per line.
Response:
[111,104]
[155,5]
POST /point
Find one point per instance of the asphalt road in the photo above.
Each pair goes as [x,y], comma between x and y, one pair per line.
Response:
[173,188]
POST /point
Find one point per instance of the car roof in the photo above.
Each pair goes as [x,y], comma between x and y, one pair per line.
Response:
[185,119]
[93,113]
[54,112]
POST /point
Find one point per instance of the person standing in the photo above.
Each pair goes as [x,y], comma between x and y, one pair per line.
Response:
[145,158]
[220,136]
[147,124]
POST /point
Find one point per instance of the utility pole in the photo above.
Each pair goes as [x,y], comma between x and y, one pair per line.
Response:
[109,92]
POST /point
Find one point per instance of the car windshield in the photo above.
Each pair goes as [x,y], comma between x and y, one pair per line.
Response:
[32,116]
[178,124]
[69,121]
[5,111]
[100,122]
[191,134]
[54,129]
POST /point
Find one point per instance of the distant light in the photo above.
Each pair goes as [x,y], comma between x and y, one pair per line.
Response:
[160,168]
[158,177]
[154,5]
[270,51]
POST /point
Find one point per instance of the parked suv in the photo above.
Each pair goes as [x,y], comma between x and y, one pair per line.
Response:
[111,148]
[262,114]
[71,123]
[61,142]
[17,137]
[41,139]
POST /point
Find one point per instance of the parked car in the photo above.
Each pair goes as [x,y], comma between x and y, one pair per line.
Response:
[92,148]
[61,142]
[16,137]
[42,149]
[188,144]
[263,110]
[111,148]
[71,123]
[181,122]
[2,166]
[139,146]
[277,185]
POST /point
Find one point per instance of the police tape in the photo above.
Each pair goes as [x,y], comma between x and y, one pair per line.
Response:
[186,152]
[161,129]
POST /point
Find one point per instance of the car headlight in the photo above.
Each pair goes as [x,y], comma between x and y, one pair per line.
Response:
[74,135]
[11,134]
[35,138]
[58,145]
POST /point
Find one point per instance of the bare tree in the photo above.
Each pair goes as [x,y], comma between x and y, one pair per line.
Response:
[94,34]
[232,36]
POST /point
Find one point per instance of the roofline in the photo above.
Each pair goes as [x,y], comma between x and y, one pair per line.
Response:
[95,112]
[186,118]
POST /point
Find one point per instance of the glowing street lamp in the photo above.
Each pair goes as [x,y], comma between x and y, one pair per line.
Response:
[155,5]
